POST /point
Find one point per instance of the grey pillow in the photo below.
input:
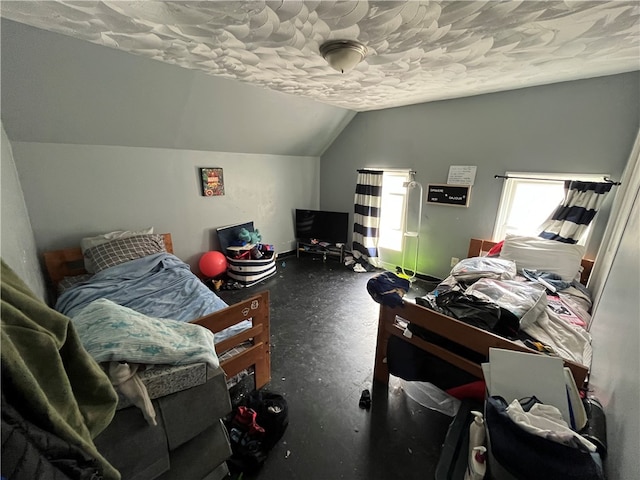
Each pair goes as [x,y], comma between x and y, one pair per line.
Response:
[124,250]
[87,242]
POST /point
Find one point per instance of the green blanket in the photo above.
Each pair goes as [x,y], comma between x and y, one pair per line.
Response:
[49,374]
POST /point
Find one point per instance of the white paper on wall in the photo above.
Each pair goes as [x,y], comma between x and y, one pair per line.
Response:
[462,175]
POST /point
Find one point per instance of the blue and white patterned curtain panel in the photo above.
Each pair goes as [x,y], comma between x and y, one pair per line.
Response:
[571,218]
[366,220]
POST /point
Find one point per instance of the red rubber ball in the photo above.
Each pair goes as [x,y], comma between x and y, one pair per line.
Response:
[213,264]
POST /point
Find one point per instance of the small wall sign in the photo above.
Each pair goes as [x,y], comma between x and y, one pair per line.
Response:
[462,175]
[456,195]
[212,182]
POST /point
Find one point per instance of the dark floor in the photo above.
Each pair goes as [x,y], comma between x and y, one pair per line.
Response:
[323,333]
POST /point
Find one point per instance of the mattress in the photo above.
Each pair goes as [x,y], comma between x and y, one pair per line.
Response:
[163,380]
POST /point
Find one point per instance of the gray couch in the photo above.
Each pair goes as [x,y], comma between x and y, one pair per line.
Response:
[190,441]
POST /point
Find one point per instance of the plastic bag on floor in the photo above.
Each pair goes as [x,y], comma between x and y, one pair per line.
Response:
[430,396]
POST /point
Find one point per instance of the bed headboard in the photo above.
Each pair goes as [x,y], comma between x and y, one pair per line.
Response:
[479,247]
[69,262]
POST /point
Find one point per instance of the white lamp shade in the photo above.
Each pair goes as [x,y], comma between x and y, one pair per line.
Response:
[343,60]
[343,55]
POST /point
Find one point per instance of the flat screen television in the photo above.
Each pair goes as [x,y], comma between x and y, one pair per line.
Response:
[330,227]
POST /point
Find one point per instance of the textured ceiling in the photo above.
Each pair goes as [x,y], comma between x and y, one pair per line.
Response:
[417,51]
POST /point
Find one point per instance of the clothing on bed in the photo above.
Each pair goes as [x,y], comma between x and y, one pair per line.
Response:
[124,376]
[125,338]
[388,288]
[525,300]
[481,313]
[469,270]
[568,341]
[111,332]
[48,376]
[552,279]
[159,285]
[522,299]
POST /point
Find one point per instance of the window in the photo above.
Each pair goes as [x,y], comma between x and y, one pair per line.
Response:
[392,211]
[527,201]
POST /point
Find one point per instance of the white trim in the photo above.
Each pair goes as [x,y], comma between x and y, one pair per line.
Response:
[508,192]
[626,195]
[396,244]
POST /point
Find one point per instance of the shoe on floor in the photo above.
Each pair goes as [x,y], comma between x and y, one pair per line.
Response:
[365,400]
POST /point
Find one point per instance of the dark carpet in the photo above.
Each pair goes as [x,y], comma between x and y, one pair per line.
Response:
[323,334]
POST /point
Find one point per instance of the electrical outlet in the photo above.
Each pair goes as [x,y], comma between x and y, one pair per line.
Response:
[454,261]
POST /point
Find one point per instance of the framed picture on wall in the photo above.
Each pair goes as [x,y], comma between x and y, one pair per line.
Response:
[212,182]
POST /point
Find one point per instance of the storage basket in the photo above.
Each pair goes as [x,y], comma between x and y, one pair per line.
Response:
[249,272]
[244,271]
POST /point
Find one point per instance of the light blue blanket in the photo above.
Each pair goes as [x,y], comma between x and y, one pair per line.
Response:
[159,285]
[111,333]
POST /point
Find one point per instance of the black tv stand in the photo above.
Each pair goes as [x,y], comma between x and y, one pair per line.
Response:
[327,250]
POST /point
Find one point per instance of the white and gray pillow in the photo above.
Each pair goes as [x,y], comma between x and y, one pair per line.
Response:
[124,250]
[87,242]
[535,253]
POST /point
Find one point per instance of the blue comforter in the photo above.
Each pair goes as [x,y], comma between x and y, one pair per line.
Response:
[159,285]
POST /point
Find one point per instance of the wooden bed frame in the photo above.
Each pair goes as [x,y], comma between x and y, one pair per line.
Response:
[459,332]
[70,262]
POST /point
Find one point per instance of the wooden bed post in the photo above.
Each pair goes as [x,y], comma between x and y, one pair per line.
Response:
[263,364]
[385,320]
[256,309]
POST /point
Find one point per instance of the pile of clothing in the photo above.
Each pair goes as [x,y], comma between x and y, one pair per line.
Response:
[358,262]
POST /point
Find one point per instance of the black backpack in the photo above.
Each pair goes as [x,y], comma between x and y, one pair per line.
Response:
[272,415]
[255,427]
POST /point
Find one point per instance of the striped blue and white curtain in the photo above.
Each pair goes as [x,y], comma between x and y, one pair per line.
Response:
[570,219]
[366,220]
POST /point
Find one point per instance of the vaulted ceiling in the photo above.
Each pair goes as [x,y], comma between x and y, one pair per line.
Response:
[418,51]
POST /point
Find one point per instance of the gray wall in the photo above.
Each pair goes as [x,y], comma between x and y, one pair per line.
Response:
[585,126]
[62,90]
[63,100]
[616,353]
[76,190]
[17,245]
[107,140]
